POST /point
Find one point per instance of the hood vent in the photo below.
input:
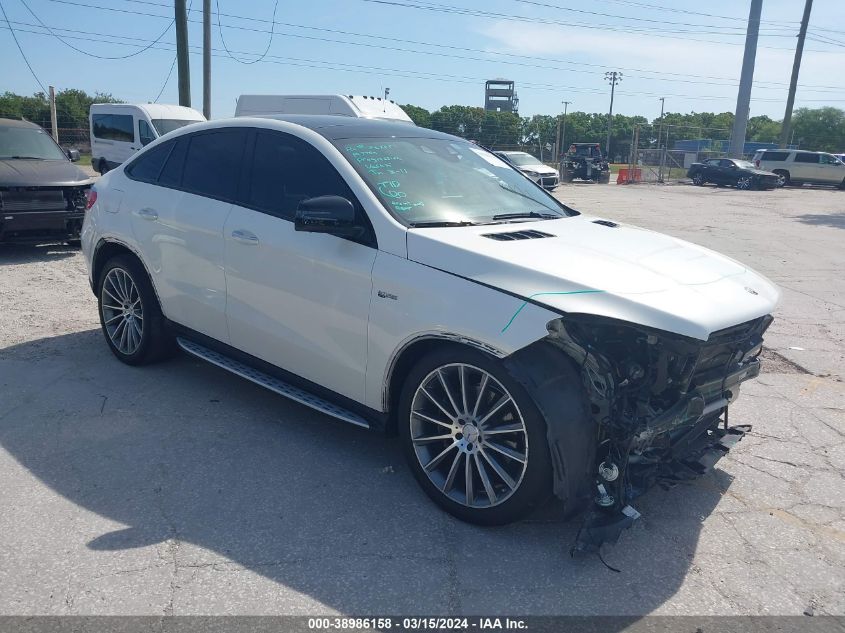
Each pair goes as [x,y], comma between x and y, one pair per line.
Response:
[517,235]
[608,223]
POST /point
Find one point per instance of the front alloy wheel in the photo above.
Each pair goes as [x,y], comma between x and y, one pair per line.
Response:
[745,183]
[467,430]
[698,180]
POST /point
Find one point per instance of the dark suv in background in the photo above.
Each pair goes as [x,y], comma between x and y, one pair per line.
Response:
[42,193]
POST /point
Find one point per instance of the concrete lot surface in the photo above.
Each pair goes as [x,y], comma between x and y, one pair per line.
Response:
[181,489]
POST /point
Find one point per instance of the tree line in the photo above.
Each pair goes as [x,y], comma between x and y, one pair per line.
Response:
[819,129]
[71,107]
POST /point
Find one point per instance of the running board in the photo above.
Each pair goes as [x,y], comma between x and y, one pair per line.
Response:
[269,382]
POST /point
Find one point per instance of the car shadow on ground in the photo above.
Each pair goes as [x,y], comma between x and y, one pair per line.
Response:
[834,220]
[241,479]
[28,253]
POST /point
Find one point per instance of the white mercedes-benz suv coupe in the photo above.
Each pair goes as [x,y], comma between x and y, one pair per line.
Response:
[410,281]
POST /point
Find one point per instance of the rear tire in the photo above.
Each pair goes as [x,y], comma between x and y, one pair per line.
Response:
[496,441]
[130,316]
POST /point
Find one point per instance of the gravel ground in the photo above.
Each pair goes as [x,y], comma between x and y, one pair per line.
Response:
[180,489]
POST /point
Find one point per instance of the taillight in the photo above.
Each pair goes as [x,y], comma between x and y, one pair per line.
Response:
[90,198]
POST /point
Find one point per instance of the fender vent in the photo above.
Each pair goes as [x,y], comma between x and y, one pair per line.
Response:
[517,235]
[612,225]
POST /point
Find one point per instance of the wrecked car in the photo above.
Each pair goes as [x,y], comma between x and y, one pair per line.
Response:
[411,282]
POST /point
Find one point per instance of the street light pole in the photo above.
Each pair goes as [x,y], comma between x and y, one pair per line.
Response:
[563,126]
[612,77]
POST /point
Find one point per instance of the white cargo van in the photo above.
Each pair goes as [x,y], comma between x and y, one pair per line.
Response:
[338,105]
[118,130]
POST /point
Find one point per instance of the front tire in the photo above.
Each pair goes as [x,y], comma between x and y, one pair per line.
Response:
[745,183]
[130,314]
[104,167]
[473,437]
[698,179]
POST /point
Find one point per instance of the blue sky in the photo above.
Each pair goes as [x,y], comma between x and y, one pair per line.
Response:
[688,51]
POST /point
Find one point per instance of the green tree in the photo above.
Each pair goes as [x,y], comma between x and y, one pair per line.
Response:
[419,116]
[819,129]
[72,107]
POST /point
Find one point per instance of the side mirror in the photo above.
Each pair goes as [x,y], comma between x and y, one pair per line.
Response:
[73,155]
[327,214]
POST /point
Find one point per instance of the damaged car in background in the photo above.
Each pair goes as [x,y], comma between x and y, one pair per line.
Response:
[42,193]
[411,282]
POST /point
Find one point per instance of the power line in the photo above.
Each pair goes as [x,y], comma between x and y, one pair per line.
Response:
[18,44]
[431,76]
[269,42]
[688,78]
[96,56]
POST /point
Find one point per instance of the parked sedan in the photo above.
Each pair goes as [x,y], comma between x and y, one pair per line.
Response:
[409,281]
[42,193]
[731,171]
[545,176]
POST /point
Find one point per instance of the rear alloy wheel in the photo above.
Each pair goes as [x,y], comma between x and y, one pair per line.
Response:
[698,180]
[129,313]
[745,183]
[467,429]
[783,177]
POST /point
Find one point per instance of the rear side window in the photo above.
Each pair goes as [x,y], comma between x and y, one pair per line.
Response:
[171,175]
[147,167]
[113,127]
[286,170]
[774,155]
[213,162]
[803,157]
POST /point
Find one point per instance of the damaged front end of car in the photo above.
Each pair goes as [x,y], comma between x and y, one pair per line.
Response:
[657,410]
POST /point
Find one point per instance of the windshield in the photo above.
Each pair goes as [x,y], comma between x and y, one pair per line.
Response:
[522,159]
[28,142]
[163,126]
[745,164]
[422,180]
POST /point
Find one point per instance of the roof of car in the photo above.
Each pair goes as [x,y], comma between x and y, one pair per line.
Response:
[339,127]
[18,123]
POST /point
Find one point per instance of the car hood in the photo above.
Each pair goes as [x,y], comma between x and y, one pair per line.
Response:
[620,271]
[538,169]
[41,173]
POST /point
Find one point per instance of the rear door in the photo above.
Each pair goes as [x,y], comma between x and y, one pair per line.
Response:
[178,222]
[806,167]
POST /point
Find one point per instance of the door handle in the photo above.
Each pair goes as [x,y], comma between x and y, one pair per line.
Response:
[245,237]
[148,214]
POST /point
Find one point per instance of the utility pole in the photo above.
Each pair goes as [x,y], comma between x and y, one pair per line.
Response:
[613,77]
[206,58]
[563,127]
[796,66]
[183,64]
[743,98]
[660,141]
[53,119]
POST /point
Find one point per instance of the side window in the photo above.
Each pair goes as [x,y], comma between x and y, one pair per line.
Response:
[712,162]
[148,165]
[213,163]
[724,162]
[804,157]
[286,170]
[114,127]
[171,174]
[145,134]
[827,159]
[775,156]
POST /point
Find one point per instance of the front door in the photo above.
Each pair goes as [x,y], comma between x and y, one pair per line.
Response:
[297,300]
